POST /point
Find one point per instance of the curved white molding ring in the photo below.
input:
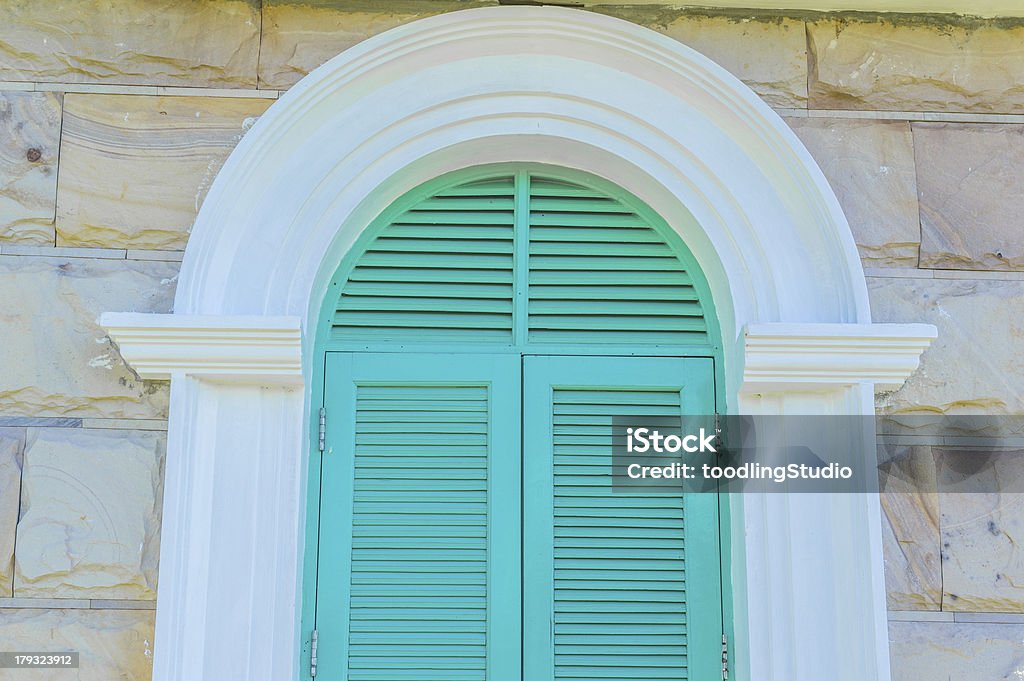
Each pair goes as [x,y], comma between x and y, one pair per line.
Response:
[539,84]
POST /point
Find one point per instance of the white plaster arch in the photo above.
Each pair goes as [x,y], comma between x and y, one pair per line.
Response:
[541,84]
[519,83]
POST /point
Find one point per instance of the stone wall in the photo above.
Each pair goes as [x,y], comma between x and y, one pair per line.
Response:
[116,116]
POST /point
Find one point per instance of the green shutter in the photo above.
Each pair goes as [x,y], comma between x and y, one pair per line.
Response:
[448,550]
[612,570]
[590,265]
[420,537]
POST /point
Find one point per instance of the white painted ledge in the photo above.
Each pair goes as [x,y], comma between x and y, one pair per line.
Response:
[230,348]
[777,355]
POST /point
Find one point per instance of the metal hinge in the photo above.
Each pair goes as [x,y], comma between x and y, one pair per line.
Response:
[312,655]
[323,428]
[718,430]
[725,658]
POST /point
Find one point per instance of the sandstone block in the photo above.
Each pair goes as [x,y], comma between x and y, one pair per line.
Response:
[976,365]
[29,140]
[12,442]
[870,166]
[90,514]
[916,66]
[940,651]
[63,362]
[135,169]
[298,37]
[910,532]
[112,644]
[197,43]
[982,519]
[768,54]
[972,206]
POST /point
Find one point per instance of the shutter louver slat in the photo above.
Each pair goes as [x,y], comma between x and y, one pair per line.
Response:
[418,599]
[619,571]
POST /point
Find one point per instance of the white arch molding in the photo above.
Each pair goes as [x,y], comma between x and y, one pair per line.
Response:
[538,84]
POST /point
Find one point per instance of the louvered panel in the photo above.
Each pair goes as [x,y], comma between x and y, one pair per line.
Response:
[620,605]
[599,273]
[591,270]
[441,270]
[418,599]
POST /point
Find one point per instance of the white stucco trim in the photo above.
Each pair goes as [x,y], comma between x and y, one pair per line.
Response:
[267,350]
[532,84]
[832,354]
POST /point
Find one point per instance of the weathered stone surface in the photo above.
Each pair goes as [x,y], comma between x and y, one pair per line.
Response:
[112,644]
[910,531]
[197,43]
[12,443]
[90,514]
[135,169]
[870,166]
[300,36]
[919,66]
[976,365]
[769,54]
[982,521]
[972,207]
[29,140]
[941,651]
[61,362]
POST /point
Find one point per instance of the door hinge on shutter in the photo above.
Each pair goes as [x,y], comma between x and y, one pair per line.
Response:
[323,428]
[725,658]
[718,430]
[312,656]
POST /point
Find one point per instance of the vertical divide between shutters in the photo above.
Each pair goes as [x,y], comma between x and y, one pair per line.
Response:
[521,258]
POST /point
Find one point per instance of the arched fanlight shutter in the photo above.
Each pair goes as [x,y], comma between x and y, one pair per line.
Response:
[590,267]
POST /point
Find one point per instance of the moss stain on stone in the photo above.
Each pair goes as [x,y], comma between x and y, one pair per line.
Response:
[384,6]
[663,15]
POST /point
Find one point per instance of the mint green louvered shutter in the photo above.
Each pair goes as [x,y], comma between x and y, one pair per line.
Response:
[418,571]
[421,545]
[524,260]
[618,586]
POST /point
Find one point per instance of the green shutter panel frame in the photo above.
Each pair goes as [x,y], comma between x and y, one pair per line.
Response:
[420,529]
[608,574]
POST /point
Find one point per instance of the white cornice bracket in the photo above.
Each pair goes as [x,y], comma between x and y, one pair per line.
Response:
[236,348]
[832,354]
